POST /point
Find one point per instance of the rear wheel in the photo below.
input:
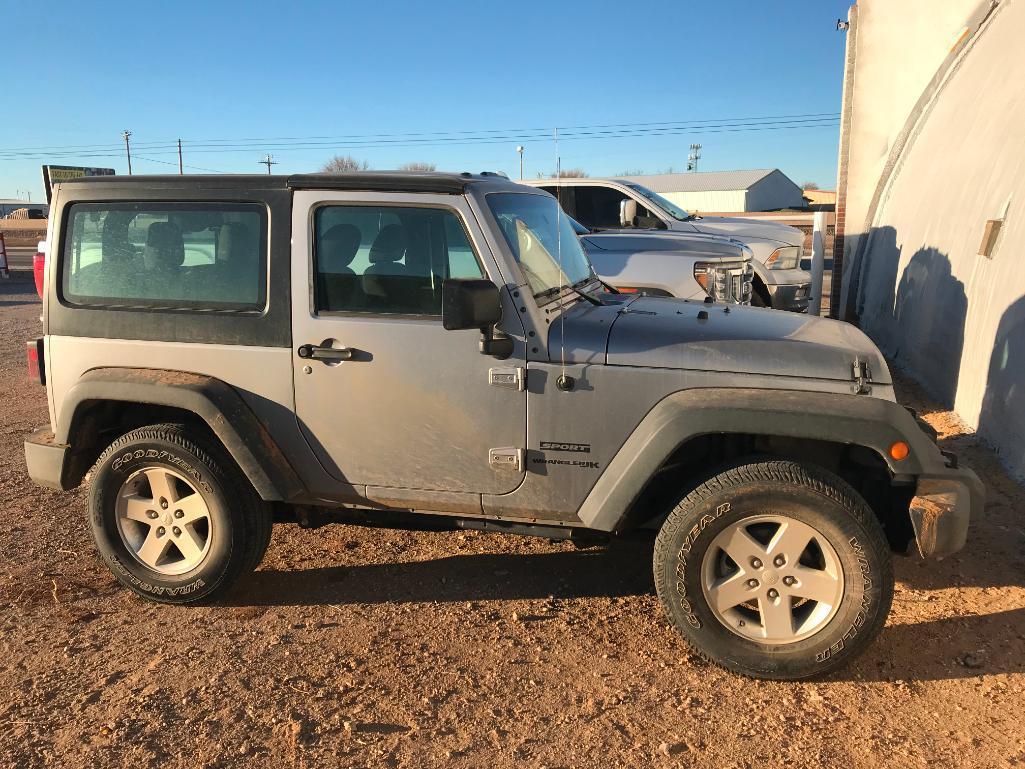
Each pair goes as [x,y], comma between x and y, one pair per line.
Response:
[173,517]
[774,570]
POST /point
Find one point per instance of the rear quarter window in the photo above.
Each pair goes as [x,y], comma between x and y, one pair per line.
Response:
[200,256]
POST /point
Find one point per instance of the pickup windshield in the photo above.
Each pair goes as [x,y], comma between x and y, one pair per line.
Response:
[666,205]
[542,240]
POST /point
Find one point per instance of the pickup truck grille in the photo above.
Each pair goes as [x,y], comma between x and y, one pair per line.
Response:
[730,282]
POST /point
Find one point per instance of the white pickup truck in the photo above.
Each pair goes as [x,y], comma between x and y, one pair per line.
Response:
[615,204]
[670,263]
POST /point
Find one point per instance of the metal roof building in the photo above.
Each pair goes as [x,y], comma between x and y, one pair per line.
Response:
[764,189]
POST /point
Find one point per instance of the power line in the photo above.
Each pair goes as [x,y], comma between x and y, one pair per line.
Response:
[456,138]
[171,163]
[468,141]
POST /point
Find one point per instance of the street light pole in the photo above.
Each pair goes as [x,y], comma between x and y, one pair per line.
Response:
[128,150]
[181,168]
[519,149]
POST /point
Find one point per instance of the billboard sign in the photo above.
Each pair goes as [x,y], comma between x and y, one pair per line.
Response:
[55,174]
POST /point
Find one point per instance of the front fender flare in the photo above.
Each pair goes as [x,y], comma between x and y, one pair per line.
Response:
[853,419]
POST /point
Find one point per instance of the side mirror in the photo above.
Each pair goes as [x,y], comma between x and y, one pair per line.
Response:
[627,213]
[469,303]
[475,303]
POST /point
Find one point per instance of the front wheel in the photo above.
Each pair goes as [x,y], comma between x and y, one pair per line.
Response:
[774,570]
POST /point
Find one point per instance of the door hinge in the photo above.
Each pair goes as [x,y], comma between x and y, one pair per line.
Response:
[861,377]
[512,459]
[513,378]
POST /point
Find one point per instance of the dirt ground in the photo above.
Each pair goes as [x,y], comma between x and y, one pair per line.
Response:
[356,647]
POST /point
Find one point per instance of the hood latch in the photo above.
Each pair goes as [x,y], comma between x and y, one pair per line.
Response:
[861,377]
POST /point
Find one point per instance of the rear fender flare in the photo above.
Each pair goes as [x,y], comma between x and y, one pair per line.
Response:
[214,401]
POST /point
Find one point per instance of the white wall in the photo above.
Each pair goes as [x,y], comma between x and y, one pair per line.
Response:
[723,200]
[922,181]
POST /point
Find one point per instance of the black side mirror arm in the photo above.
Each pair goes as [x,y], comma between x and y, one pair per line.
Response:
[495,344]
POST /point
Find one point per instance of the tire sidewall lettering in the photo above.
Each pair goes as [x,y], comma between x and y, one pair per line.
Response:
[865,606]
[685,604]
[162,455]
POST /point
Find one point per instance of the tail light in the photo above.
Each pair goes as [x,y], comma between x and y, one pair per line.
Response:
[39,267]
[36,362]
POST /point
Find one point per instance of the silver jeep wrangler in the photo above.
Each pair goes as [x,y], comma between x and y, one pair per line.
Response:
[224,352]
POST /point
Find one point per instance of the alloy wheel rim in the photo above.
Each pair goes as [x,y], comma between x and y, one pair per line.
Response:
[163,520]
[772,579]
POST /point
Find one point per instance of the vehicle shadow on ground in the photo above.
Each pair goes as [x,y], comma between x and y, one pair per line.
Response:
[944,649]
[18,302]
[622,569]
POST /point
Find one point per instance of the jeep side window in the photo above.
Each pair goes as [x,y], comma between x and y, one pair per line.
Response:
[204,256]
[388,259]
[598,207]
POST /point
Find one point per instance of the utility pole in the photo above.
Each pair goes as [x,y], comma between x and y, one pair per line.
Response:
[128,150]
[519,149]
[269,161]
[694,157]
[181,168]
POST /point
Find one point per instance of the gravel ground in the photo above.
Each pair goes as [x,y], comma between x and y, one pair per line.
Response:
[355,647]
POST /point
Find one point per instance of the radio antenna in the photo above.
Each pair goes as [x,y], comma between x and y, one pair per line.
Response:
[558,250]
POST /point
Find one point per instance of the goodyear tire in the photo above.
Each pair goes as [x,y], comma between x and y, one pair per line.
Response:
[774,569]
[173,517]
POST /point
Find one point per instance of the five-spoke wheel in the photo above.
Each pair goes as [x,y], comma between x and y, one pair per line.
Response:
[774,569]
[163,520]
[173,515]
[772,578]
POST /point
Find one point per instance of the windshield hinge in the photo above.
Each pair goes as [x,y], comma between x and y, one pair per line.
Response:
[511,459]
[513,378]
[861,376]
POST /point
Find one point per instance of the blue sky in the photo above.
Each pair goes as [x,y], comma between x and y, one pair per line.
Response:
[79,74]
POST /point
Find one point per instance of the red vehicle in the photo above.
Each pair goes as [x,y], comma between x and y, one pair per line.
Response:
[39,266]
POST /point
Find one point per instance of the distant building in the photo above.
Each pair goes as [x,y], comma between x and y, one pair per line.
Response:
[765,189]
[820,197]
[10,205]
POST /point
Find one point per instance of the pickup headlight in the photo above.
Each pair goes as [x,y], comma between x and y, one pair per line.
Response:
[786,258]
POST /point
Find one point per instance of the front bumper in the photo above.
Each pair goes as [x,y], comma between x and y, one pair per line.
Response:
[946,496]
[789,296]
[45,459]
[941,509]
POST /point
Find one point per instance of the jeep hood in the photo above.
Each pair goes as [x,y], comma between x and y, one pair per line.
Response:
[755,228]
[655,332]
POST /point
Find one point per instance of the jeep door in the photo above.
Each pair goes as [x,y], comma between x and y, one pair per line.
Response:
[390,398]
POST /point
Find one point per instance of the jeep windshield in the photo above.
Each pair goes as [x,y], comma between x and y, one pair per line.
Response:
[666,205]
[542,239]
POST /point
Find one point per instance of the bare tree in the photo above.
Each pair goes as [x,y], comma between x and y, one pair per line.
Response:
[340,164]
[417,165]
[570,173]
[809,186]
[631,172]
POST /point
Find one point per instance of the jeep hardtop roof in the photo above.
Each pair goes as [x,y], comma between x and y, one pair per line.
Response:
[376,181]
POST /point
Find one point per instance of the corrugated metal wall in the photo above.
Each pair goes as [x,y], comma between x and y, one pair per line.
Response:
[916,215]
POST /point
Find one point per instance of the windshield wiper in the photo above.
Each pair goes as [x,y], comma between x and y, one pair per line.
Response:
[575,288]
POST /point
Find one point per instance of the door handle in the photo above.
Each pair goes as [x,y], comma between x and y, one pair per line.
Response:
[331,354]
